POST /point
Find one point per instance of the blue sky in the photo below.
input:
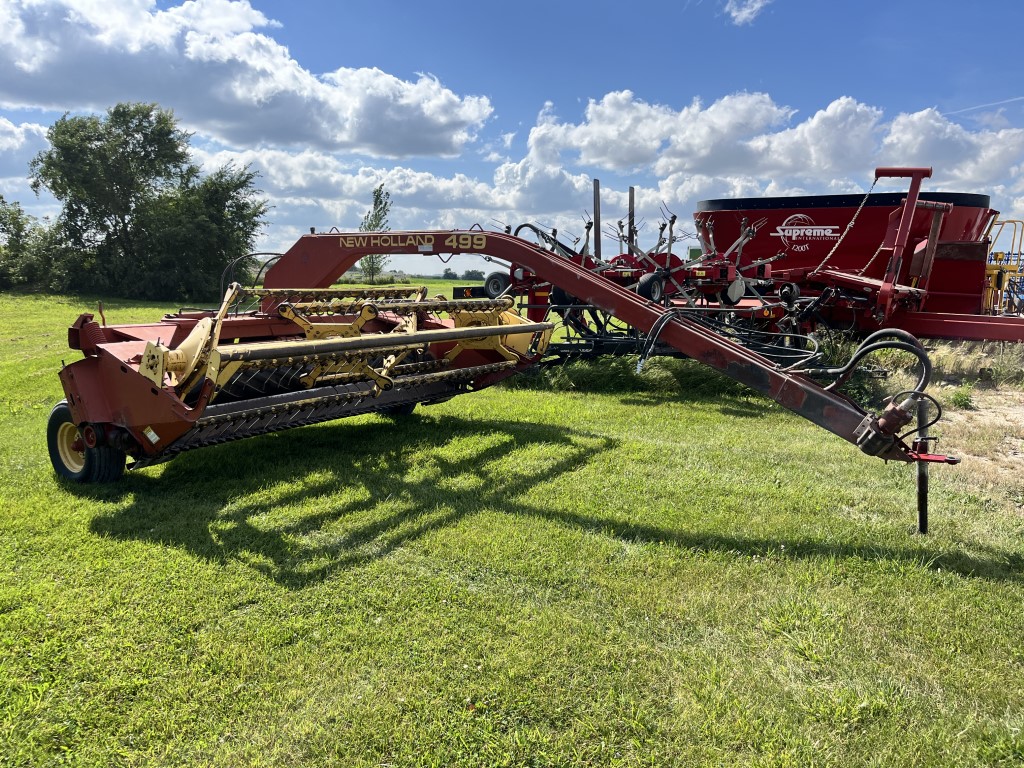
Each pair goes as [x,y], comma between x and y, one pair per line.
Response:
[474,112]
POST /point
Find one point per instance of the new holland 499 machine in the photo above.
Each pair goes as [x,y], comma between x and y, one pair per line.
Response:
[295,351]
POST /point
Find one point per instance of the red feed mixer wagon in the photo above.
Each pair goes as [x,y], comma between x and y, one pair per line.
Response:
[918,261]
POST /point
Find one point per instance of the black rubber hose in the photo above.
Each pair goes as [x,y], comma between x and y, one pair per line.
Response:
[896,333]
[929,398]
[844,372]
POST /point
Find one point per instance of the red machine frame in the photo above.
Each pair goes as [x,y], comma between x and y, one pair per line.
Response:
[927,276]
[110,399]
[319,259]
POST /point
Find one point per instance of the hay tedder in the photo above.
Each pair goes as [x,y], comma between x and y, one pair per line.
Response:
[295,352]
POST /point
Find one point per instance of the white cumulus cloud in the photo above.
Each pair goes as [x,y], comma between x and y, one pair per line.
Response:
[962,159]
[19,143]
[745,11]
[842,138]
[209,61]
[622,133]
[740,145]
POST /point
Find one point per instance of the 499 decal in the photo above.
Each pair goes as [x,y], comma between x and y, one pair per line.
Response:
[466,242]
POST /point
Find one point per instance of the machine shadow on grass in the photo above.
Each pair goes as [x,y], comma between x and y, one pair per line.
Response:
[406,480]
[662,381]
[401,482]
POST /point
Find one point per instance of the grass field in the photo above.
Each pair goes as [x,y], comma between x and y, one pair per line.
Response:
[681,573]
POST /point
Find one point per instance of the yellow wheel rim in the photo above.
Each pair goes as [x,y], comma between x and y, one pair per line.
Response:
[67,438]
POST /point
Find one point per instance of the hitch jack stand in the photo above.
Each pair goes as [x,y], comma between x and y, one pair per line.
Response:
[920,446]
[920,453]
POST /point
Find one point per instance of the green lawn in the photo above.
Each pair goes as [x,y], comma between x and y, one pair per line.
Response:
[684,574]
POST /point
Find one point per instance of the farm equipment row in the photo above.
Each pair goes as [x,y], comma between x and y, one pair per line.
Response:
[295,351]
[920,262]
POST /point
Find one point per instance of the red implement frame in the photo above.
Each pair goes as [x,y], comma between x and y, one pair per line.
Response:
[318,260]
[927,276]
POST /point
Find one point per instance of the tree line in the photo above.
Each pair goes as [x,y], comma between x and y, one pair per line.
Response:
[138,219]
[470,275]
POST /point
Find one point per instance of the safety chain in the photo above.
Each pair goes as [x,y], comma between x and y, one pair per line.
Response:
[848,228]
[864,269]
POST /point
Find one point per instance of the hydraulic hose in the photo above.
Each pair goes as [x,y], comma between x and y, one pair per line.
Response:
[907,343]
[922,428]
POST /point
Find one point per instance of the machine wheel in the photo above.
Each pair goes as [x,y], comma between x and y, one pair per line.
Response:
[405,409]
[652,286]
[496,284]
[731,296]
[561,297]
[72,459]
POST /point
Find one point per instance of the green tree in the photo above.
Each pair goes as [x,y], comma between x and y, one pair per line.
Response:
[15,233]
[473,275]
[138,218]
[31,253]
[212,222]
[376,220]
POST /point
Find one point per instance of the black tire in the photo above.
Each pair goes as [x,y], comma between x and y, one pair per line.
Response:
[108,464]
[559,297]
[652,286]
[404,409]
[496,284]
[725,301]
[102,464]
